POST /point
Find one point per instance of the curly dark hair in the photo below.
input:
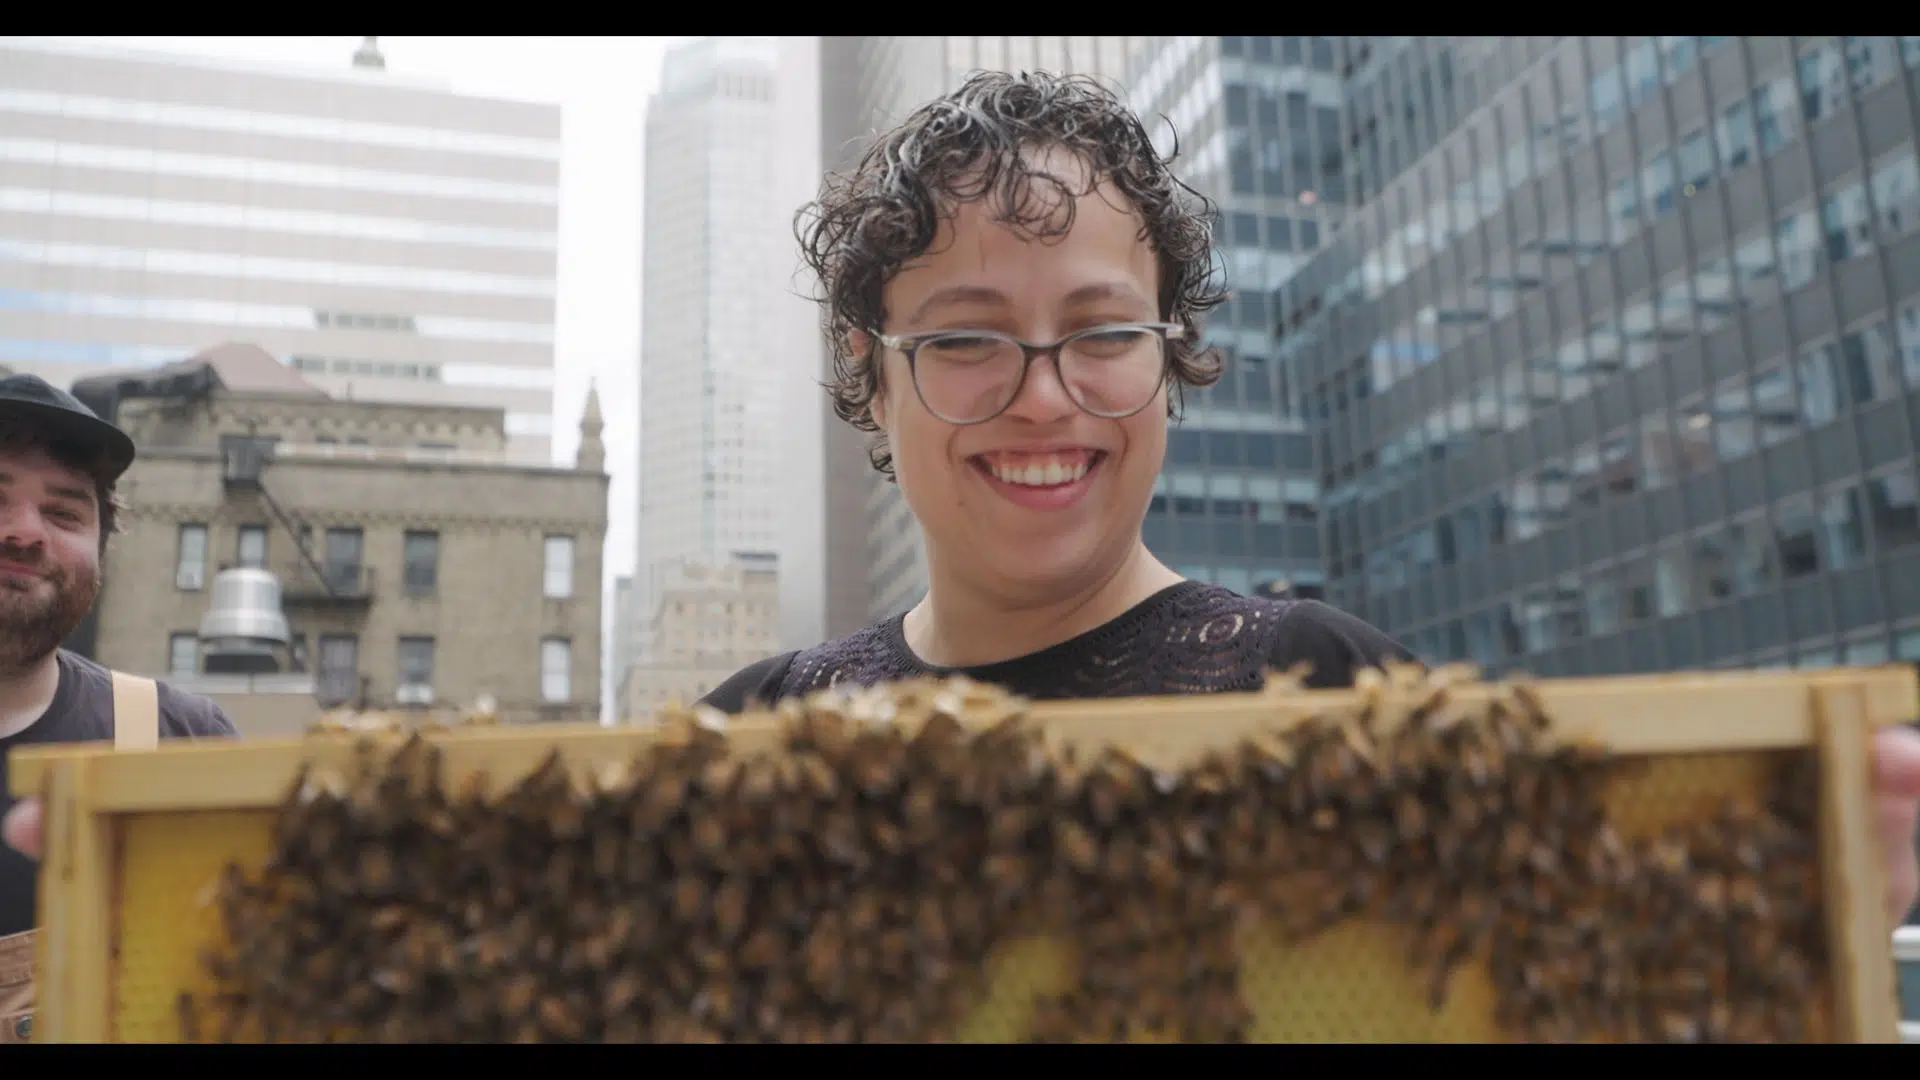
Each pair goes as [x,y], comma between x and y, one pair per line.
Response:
[969,145]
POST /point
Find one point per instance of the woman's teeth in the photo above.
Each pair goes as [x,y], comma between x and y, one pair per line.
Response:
[1049,473]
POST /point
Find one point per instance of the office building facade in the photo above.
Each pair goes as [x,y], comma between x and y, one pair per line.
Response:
[408,577]
[1624,373]
[394,241]
[709,408]
[1258,127]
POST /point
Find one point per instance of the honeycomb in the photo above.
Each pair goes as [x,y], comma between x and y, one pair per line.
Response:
[1350,983]
[169,860]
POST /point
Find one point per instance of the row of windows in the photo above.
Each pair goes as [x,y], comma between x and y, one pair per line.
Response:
[475,375]
[59,203]
[1778,402]
[1511,632]
[1871,357]
[1319,52]
[1263,497]
[1443,324]
[337,676]
[330,129]
[278,316]
[341,555]
[228,265]
[1840,527]
[1639,76]
[1303,580]
[1745,130]
[69,155]
[1537,151]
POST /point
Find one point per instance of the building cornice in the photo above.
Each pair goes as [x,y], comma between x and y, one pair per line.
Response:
[239,513]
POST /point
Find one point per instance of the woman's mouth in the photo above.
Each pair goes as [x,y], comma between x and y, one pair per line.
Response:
[1049,480]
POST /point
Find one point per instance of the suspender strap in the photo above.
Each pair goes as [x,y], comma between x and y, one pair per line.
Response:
[136,712]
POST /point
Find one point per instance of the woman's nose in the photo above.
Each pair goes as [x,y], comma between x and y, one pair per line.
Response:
[1043,398]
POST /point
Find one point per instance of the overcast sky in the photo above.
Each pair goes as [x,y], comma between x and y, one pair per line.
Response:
[601,84]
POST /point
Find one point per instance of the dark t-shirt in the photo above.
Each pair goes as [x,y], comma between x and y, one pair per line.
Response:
[1189,638]
[82,711]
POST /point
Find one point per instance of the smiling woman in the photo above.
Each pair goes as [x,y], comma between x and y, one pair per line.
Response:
[1013,283]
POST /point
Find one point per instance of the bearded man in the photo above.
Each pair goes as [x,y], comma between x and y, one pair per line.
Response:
[59,463]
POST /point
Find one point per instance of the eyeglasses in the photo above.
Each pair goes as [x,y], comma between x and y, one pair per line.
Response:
[971,376]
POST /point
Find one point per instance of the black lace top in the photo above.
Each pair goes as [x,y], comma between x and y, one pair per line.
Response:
[1190,638]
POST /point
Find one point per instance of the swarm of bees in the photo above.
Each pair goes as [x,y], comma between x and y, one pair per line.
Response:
[850,885]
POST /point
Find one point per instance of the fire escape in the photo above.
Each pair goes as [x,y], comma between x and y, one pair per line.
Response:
[330,581]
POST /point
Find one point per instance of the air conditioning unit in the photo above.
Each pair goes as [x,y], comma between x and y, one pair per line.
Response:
[414,694]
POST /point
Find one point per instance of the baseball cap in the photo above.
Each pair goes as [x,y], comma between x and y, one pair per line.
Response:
[61,413]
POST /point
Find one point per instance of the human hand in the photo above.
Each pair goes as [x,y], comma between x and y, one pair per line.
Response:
[1896,804]
[22,827]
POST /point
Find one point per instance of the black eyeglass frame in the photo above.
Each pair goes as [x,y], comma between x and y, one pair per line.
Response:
[909,346]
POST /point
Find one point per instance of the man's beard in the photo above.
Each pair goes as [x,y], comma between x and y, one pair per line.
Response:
[32,626]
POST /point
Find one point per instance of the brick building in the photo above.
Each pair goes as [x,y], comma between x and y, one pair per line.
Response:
[417,565]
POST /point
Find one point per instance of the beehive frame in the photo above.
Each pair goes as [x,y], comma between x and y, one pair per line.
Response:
[95,796]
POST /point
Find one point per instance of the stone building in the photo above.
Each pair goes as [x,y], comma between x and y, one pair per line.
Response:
[708,621]
[417,565]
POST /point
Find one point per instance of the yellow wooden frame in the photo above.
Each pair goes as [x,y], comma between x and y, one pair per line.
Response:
[88,787]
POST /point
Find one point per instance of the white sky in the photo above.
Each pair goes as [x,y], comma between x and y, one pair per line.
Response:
[602,85]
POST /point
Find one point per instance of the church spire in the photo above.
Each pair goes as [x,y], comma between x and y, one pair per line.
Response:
[592,455]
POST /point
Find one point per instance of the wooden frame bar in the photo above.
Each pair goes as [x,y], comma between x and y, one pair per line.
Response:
[89,787]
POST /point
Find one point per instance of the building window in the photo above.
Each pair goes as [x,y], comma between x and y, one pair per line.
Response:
[343,552]
[1736,136]
[183,654]
[1893,508]
[1823,83]
[250,547]
[1773,408]
[1819,384]
[190,569]
[1847,222]
[1866,357]
[1712,570]
[556,670]
[1753,562]
[1772,115]
[1671,578]
[339,677]
[416,669]
[1795,535]
[1603,601]
[1732,421]
[1840,526]
[1799,249]
[1868,653]
[559,568]
[422,562]
[1696,163]
[1896,195]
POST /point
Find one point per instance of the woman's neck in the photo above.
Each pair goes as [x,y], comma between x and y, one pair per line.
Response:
[959,625]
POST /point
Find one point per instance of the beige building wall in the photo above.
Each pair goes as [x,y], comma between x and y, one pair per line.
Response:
[495,599]
[392,239]
[709,620]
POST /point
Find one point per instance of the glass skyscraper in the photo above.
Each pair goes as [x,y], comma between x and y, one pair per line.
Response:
[1259,132]
[1623,372]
